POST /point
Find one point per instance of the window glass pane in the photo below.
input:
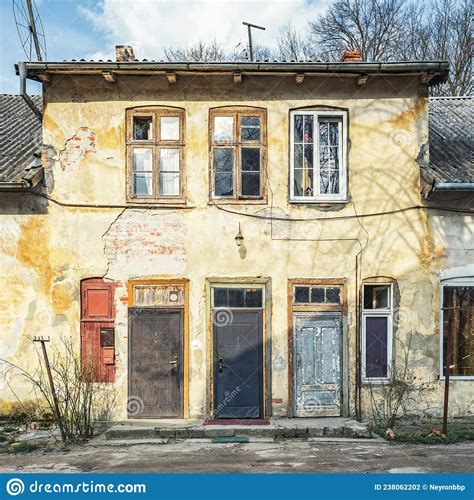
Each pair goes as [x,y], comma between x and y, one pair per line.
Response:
[250,184]
[223,128]
[250,128]
[317,295]
[376,296]
[250,181]
[253,297]
[376,359]
[458,322]
[223,172]
[223,184]
[329,156]
[220,297]
[236,297]
[142,128]
[250,159]
[303,171]
[302,294]
[169,184]
[142,184]
[142,160]
[223,159]
[169,160]
[142,172]
[333,295]
[169,130]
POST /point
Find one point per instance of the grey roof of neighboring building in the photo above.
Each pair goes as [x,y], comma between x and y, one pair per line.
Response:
[451,140]
[20,139]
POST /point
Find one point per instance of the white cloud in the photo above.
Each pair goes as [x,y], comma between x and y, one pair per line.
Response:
[151,25]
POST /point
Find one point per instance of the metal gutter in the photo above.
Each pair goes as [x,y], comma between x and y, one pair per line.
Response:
[22,71]
[15,186]
[453,186]
[35,68]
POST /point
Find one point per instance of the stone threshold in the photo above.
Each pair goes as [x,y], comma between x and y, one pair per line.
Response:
[279,428]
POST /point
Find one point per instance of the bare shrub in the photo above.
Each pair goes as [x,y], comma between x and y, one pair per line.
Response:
[82,402]
[400,395]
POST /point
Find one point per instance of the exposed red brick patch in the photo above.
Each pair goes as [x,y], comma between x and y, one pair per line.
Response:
[83,143]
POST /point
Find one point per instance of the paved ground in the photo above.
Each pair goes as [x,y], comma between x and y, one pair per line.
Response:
[262,456]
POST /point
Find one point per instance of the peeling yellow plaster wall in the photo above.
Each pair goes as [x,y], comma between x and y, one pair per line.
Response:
[55,250]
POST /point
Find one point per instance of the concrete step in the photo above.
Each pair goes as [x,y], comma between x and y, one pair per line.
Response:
[290,429]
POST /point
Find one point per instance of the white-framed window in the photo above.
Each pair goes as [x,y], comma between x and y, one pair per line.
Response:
[377,331]
[318,150]
[457,322]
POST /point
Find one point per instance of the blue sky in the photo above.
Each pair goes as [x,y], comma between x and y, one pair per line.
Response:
[85,29]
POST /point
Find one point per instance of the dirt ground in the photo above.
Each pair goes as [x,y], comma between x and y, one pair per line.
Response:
[263,457]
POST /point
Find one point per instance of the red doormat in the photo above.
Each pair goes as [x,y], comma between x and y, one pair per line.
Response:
[237,421]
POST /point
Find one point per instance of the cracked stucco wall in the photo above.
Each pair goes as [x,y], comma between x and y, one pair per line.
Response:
[48,249]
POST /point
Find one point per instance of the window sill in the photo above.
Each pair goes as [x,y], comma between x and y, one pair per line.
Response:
[376,381]
[456,378]
[159,202]
[319,203]
[243,201]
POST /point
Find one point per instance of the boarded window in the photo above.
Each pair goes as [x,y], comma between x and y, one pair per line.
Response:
[238,149]
[458,322]
[155,145]
[318,171]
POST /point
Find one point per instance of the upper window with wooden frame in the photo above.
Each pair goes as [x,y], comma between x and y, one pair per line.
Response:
[238,140]
[318,143]
[155,147]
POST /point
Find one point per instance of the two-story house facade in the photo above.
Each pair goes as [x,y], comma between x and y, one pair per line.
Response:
[230,240]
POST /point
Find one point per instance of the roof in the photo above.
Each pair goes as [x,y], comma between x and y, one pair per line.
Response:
[451,140]
[20,138]
[436,71]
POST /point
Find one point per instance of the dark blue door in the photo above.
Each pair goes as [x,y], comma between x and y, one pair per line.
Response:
[238,364]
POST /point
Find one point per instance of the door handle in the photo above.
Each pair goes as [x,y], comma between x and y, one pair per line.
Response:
[174,363]
[221,365]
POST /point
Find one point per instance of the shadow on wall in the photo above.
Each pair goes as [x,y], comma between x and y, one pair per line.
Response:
[23,203]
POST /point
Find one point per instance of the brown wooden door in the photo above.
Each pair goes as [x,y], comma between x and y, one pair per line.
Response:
[156,362]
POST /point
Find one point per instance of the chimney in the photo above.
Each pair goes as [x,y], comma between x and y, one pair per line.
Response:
[351,56]
[124,53]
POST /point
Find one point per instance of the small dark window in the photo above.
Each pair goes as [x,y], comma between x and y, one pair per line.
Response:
[302,294]
[142,128]
[238,297]
[317,295]
[333,295]
[107,337]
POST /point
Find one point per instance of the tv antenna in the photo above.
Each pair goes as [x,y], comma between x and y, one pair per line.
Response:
[249,29]
[30,28]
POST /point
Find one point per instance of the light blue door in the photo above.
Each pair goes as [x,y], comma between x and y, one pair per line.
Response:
[317,364]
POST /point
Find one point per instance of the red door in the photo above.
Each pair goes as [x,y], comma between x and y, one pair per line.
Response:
[97,329]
